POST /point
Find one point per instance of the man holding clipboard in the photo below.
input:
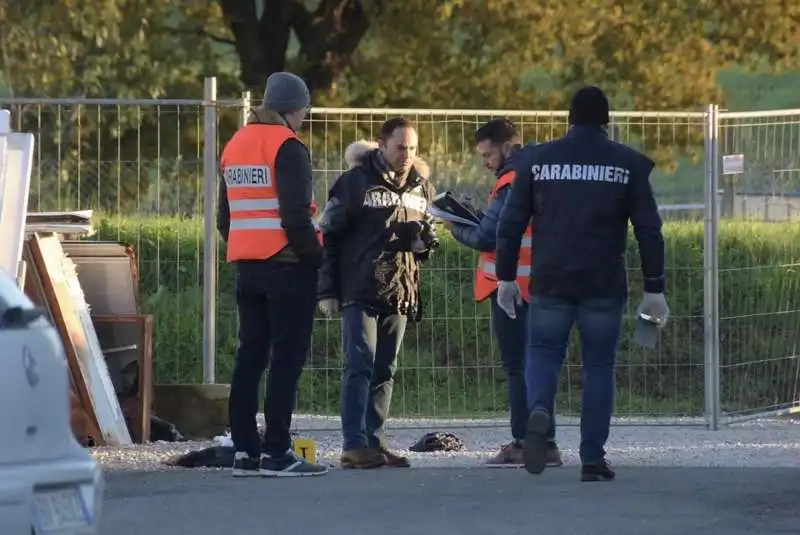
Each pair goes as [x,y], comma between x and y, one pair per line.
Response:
[495,142]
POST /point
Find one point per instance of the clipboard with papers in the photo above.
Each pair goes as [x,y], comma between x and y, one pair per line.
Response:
[446,207]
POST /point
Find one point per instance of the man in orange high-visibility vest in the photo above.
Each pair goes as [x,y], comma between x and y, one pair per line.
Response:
[267,217]
[495,142]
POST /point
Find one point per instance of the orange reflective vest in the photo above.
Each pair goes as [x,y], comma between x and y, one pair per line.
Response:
[485,274]
[248,168]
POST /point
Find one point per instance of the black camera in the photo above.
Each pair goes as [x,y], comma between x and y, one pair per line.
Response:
[407,233]
[428,235]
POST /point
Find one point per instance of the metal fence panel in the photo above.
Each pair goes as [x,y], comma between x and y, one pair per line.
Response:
[760,259]
[449,365]
[140,165]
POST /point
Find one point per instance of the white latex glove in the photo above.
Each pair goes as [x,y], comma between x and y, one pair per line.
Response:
[655,306]
[328,307]
[509,297]
[418,246]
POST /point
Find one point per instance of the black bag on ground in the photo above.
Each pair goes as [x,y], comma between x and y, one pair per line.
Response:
[437,441]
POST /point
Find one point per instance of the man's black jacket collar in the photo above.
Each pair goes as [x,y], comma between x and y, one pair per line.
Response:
[586,130]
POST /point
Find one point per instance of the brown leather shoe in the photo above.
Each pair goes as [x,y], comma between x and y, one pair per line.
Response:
[362,458]
[509,455]
[393,460]
[553,457]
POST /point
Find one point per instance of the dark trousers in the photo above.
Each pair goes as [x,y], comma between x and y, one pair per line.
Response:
[371,344]
[550,321]
[275,303]
[511,335]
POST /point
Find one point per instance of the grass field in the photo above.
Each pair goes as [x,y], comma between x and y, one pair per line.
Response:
[449,365]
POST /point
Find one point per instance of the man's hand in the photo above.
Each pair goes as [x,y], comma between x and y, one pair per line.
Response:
[418,246]
[509,297]
[328,307]
[655,306]
[468,202]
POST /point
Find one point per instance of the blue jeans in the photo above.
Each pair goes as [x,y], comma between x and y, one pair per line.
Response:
[371,344]
[510,335]
[599,321]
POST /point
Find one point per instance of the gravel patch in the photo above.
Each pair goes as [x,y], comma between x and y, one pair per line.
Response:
[633,442]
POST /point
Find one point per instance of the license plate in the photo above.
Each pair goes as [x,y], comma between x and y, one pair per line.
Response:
[61,509]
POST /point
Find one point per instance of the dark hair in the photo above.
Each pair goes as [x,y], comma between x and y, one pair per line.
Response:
[497,131]
[388,128]
[589,106]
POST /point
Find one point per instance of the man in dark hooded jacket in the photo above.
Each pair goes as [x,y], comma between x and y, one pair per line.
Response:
[376,232]
[581,191]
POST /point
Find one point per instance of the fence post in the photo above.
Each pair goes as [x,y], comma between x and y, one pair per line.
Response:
[209,231]
[245,108]
[711,270]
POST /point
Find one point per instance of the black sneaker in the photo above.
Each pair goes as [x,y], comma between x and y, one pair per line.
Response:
[597,472]
[535,448]
[289,465]
[244,465]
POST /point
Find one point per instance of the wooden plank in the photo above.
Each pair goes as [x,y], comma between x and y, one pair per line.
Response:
[146,377]
[40,290]
[143,324]
[80,340]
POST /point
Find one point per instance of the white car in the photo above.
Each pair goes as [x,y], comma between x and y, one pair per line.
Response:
[49,484]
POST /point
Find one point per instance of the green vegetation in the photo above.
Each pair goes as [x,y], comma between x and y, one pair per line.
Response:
[463,54]
[143,162]
[449,364]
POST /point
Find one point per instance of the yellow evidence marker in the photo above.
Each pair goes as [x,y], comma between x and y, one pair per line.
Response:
[306,448]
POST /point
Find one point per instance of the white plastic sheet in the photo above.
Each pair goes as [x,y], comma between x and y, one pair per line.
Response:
[16,165]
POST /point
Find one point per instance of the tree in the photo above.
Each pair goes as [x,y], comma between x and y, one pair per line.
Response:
[648,54]
[668,55]
[107,48]
[104,155]
[328,34]
[505,54]
[488,54]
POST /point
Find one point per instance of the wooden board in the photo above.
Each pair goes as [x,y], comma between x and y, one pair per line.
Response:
[125,335]
[82,418]
[72,319]
[137,330]
[104,265]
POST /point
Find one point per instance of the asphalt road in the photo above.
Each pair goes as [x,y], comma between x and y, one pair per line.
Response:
[476,501]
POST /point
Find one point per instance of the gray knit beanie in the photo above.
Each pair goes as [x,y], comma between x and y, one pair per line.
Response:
[286,92]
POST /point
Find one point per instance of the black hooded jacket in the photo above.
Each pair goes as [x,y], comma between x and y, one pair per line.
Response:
[581,190]
[368,225]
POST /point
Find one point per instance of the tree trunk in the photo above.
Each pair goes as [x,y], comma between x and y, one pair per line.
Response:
[328,38]
[261,43]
